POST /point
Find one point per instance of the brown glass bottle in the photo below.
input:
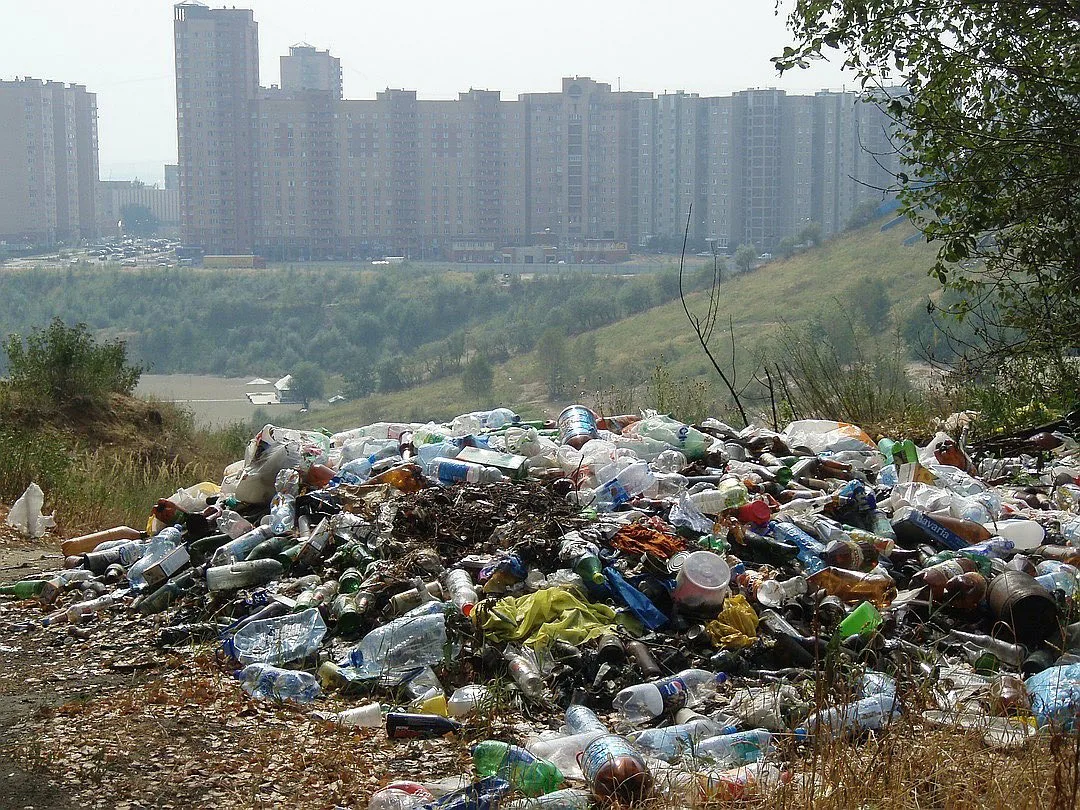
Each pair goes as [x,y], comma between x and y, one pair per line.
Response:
[854,586]
[850,554]
[966,591]
[936,576]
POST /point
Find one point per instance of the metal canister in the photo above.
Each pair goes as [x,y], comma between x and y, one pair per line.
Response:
[577,425]
[1024,605]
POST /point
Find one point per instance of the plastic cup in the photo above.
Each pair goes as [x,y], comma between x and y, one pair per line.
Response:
[703,581]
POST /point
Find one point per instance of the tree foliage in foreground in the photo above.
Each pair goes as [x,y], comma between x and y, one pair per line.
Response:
[988,135]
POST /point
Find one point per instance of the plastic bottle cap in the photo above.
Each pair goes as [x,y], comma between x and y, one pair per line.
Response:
[802,733]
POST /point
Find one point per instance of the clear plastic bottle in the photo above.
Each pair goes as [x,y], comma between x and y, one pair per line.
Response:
[83,610]
[646,701]
[154,552]
[239,548]
[400,796]
[852,718]
[280,639]
[581,719]
[669,742]
[267,681]
[632,481]
[406,642]
[738,748]
[524,672]
[283,506]
[459,584]
[774,593]
[565,799]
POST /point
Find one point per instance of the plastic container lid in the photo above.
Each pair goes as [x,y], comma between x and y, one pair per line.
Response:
[703,580]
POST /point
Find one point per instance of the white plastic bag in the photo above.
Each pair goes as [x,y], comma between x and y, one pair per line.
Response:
[821,435]
[26,515]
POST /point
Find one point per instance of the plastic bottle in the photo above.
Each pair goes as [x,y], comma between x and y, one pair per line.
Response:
[581,719]
[266,681]
[853,586]
[82,610]
[524,672]
[525,772]
[241,547]
[632,481]
[615,771]
[455,471]
[565,799]
[242,574]
[125,554]
[773,593]
[367,716]
[278,640]
[283,506]
[154,552]
[669,742]
[810,550]
[459,584]
[865,714]
[646,701]
[738,748]
[406,642]
[400,796]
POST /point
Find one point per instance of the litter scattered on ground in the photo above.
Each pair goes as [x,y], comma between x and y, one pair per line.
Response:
[662,610]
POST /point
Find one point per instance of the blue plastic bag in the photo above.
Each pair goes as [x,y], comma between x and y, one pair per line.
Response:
[1055,696]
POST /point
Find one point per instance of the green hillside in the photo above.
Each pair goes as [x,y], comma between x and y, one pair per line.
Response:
[823,283]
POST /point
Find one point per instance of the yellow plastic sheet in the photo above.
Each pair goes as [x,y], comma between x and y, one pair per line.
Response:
[540,618]
[736,626]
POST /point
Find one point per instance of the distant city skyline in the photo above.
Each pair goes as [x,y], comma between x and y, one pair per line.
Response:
[125,56]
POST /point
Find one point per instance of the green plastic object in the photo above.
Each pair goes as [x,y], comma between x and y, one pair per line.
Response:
[527,773]
[862,621]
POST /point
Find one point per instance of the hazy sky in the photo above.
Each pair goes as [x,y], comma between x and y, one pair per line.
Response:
[122,50]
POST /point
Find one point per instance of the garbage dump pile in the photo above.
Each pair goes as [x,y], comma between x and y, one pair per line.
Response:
[683,606]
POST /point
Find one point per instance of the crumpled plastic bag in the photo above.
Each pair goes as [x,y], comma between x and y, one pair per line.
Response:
[25,516]
[736,625]
[540,618]
[824,435]
[692,442]
[1055,696]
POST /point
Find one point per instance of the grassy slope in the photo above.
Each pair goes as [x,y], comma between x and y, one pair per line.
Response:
[786,289]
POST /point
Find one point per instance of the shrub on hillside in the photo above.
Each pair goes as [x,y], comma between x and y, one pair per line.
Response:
[63,364]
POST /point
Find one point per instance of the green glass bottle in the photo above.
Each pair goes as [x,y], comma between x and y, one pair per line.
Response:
[27,589]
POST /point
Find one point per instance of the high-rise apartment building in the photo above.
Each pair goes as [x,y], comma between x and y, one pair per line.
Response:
[48,162]
[295,171]
[217,85]
[308,69]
